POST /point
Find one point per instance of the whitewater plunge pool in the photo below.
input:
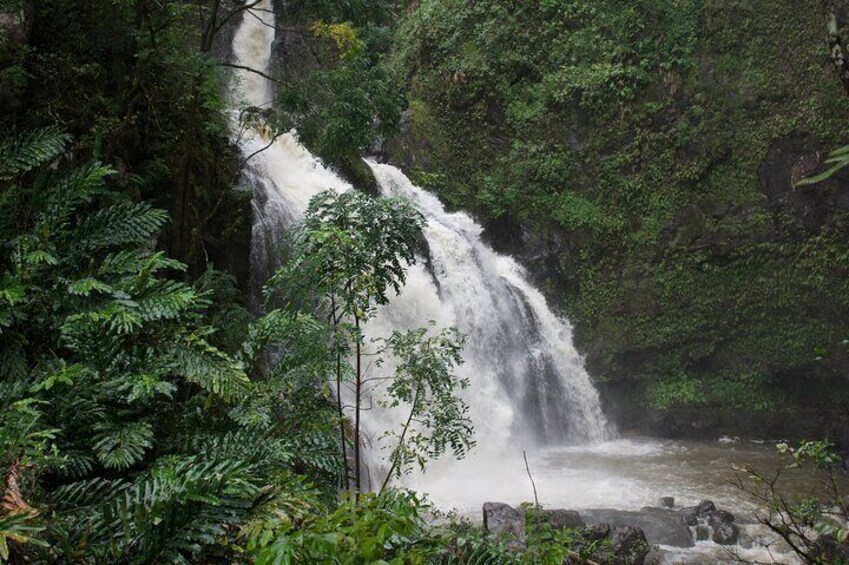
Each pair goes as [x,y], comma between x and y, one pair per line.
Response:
[625,474]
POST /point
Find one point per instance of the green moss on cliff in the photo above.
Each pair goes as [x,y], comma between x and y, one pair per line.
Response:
[655,142]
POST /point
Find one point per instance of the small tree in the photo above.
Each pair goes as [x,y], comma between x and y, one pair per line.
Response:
[425,382]
[812,525]
[346,255]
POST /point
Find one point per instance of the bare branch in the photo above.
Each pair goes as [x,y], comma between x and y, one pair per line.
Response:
[533,484]
[252,70]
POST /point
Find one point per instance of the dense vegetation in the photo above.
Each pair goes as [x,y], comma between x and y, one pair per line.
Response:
[641,156]
[146,415]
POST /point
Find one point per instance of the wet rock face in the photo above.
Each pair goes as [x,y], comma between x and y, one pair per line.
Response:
[693,515]
[623,537]
[500,518]
[719,517]
[562,519]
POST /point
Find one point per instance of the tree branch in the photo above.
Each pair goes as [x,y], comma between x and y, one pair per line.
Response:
[252,70]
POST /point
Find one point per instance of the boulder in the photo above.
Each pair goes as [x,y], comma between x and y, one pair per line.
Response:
[628,546]
[725,534]
[720,517]
[661,526]
[612,546]
[503,519]
[702,533]
[500,518]
[597,532]
[560,519]
[706,507]
[692,515]
[666,502]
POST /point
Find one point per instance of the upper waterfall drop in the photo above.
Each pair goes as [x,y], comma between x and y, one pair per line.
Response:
[528,383]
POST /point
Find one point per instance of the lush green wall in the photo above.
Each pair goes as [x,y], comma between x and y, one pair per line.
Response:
[639,156]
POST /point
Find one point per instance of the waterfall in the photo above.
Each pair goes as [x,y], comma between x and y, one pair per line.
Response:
[528,386]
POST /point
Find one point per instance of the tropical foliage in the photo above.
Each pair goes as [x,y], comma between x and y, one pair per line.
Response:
[125,431]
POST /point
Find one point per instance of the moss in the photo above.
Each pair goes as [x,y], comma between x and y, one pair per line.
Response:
[640,133]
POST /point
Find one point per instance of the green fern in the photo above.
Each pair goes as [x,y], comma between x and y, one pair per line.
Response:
[181,506]
[118,225]
[838,159]
[202,364]
[166,300]
[71,192]
[32,150]
[124,446]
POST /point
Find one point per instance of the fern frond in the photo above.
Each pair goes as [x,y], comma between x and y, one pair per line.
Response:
[202,364]
[244,445]
[85,494]
[19,527]
[177,509]
[76,189]
[301,335]
[76,464]
[318,449]
[124,446]
[87,285]
[135,260]
[166,300]
[288,502]
[121,224]
[32,150]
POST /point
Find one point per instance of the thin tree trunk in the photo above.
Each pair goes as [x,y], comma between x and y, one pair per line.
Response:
[346,481]
[401,438]
[357,399]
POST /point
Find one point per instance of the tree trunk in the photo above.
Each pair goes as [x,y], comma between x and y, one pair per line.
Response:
[357,399]
[346,478]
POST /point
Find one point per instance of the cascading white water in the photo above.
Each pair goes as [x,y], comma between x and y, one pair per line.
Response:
[282,174]
[528,384]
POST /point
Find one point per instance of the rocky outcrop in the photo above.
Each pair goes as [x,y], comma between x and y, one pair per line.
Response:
[503,519]
[625,537]
[661,526]
[606,543]
[712,523]
[725,534]
[603,544]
